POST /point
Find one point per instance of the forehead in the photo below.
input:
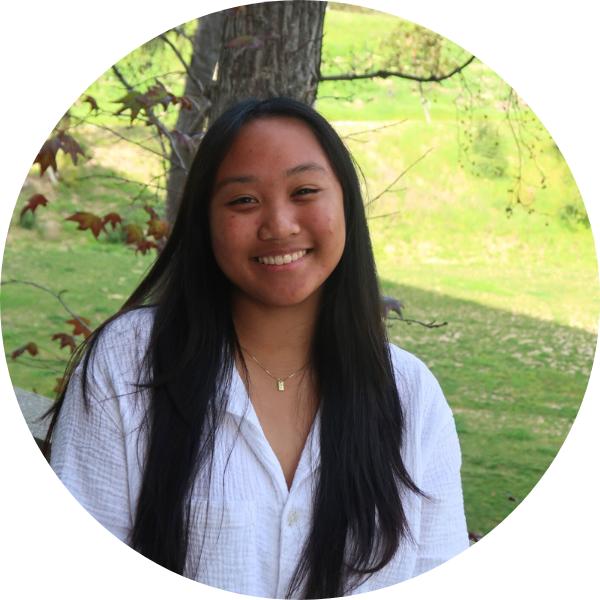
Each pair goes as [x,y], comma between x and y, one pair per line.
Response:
[273,143]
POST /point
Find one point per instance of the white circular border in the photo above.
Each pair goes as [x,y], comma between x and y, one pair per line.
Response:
[547,51]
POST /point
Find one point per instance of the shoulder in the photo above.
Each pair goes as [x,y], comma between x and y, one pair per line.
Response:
[133,326]
[119,347]
[412,374]
[128,331]
[431,440]
[420,392]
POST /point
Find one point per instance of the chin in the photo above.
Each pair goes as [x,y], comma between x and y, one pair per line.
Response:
[284,299]
[286,302]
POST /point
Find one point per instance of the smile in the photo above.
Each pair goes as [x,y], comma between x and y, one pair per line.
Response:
[282,259]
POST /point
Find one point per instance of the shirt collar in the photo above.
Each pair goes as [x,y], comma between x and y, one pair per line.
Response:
[238,403]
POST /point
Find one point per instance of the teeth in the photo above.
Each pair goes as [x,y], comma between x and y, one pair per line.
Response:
[282,259]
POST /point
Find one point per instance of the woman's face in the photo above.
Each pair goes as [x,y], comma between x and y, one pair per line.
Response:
[277,213]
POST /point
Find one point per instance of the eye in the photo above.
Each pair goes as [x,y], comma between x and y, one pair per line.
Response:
[241,201]
[306,191]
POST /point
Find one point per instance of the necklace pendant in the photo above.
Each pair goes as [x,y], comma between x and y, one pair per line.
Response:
[280,385]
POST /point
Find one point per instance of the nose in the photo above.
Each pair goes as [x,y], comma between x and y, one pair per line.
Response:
[279,221]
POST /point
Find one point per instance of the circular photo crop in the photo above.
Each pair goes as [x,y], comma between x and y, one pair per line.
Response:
[301,347]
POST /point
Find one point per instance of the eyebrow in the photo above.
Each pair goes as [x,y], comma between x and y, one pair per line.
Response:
[309,166]
[301,168]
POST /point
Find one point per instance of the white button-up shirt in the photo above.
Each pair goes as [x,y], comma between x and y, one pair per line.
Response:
[247,528]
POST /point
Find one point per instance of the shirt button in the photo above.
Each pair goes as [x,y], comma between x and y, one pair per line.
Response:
[292,518]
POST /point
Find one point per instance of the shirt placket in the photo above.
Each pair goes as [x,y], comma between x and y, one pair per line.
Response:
[295,503]
[296,514]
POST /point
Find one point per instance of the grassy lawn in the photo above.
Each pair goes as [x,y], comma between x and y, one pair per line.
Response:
[520,294]
[514,383]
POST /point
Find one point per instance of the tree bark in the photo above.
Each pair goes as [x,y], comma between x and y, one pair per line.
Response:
[260,50]
[205,54]
[269,49]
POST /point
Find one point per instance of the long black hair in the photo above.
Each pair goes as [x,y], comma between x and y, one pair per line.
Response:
[358,519]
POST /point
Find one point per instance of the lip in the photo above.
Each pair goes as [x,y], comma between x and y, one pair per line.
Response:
[281,252]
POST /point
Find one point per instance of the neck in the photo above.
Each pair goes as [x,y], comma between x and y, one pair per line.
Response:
[280,336]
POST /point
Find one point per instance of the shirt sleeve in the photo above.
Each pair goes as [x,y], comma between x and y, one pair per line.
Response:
[88,447]
[443,528]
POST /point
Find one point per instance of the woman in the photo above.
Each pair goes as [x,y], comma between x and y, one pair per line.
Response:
[243,420]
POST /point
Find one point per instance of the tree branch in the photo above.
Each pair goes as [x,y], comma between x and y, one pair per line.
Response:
[155,121]
[391,185]
[155,185]
[191,75]
[139,82]
[383,73]
[119,178]
[391,214]
[351,136]
[47,364]
[53,294]
[430,325]
[125,139]
[180,31]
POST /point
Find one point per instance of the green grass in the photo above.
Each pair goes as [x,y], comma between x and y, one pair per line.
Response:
[514,383]
[97,278]
[356,43]
[520,294]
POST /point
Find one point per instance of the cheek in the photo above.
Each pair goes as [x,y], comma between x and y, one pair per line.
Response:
[227,231]
[328,220]
[334,226]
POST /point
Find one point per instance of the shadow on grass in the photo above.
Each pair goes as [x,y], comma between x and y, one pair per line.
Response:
[515,384]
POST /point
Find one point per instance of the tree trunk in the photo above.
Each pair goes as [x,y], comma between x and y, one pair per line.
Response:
[206,50]
[269,49]
[260,50]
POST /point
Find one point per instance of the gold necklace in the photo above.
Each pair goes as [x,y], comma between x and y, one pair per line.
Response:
[280,380]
